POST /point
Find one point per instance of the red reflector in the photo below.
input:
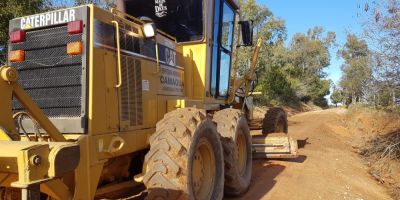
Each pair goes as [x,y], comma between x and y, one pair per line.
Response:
[17,36]
[75,27]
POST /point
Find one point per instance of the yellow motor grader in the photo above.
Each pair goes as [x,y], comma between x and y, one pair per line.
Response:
[93,102]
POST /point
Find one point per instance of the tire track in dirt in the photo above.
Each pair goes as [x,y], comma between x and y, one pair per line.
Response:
[327,168]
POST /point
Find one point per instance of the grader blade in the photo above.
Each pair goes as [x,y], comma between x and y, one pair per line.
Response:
[274,147]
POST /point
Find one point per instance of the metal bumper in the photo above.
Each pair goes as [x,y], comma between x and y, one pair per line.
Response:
[37,162]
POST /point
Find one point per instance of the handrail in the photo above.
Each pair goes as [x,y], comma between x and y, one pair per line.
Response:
[157,57]
[119,55]
[140,22]
[114,11]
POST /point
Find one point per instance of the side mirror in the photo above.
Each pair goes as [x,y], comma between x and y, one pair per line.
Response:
[247,33]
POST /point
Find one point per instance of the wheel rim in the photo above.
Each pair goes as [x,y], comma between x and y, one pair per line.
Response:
[203,170]
[241,157]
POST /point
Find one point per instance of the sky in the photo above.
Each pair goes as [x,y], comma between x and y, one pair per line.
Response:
[339,16]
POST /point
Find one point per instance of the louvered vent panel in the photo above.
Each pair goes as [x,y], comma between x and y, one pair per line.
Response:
[124,90]
[138,90]
[131,91]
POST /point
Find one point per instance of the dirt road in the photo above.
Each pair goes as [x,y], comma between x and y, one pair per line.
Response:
[327,167]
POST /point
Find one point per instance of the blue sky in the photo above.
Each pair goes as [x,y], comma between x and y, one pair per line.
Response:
[339,16]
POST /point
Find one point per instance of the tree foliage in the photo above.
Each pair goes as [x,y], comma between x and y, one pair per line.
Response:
[357,71]
[381,23]
[337,96]
[288,73]
[10,9]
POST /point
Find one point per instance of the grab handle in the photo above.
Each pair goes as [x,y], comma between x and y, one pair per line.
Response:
[118,55]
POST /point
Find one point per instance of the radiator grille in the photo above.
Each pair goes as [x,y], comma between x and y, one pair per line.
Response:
[131,91]
[52,78]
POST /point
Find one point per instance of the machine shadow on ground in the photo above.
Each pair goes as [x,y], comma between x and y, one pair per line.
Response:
[263,181]
[299,159]
[301,144]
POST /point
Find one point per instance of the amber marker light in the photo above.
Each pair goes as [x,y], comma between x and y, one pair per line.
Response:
[74,48]
[17,56]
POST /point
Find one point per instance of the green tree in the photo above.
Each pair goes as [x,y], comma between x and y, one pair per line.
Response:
[275,81]
[102,3]
[287,74]
[381,25]
[357,72]
[273,32]
[309,56]
[271,29]
[10,9]
[337,96]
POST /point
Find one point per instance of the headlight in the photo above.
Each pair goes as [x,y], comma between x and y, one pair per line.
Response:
[149,30]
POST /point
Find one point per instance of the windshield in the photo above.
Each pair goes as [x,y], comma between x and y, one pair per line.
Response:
[182,19]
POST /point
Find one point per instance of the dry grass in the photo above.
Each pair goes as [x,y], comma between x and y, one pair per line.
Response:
[377,135]
[385,147]
[382,154]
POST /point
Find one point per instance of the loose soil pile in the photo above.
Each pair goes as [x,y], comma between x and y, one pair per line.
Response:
[327,167]
[377,139]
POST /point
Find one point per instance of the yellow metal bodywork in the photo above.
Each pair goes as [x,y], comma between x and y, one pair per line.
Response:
[108,137]
[23,164]
[37,161]
[194,56]
[105,129]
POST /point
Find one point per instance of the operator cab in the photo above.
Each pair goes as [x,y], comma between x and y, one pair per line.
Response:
[181,19]
[188,22]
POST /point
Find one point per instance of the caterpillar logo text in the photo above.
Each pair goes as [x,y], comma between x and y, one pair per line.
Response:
[48,19]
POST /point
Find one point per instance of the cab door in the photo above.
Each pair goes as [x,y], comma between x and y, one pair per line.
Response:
[223,22]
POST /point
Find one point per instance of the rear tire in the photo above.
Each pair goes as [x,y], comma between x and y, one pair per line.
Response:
[185,160]
[10,193]
[275,121]
[236,141]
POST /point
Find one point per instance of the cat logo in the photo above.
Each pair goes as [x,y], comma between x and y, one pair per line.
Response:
[48,19]
[170,57]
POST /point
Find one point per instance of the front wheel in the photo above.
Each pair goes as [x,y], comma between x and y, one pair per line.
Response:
[236,141]
[185,160]
[275,121]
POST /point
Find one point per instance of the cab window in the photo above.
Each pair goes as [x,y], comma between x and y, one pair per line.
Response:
[224,17]
[182,19]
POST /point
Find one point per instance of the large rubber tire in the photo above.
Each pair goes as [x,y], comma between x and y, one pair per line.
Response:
[15,194]
[236,141]
[275,121]
[10,194]
[174,150]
